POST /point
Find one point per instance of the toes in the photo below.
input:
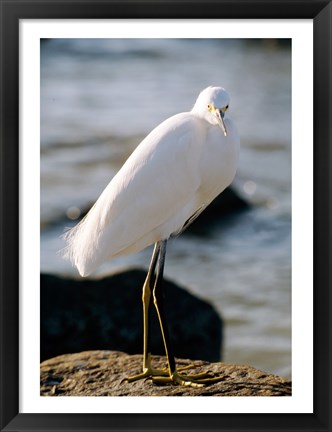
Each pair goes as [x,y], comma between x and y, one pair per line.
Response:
[197,376]
[161,376]
[186,380]
[183,380]
[136,377]
[183,368]
[161,379]
[148,373]
[211,380]
[190,383]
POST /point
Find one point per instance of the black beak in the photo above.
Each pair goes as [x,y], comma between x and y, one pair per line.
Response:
[220,116]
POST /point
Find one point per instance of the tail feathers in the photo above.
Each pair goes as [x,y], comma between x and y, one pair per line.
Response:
[81,249]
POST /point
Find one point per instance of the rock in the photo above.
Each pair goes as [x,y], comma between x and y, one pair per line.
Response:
[104,373]
[90,314]
[224,205]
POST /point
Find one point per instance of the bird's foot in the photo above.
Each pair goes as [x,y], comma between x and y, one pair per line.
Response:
[193,380]
[148,372]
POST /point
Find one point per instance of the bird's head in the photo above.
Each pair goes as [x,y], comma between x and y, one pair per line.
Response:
[212,104]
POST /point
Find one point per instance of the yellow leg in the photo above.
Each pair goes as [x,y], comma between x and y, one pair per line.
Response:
[172,373]
[193,380]
[148,371]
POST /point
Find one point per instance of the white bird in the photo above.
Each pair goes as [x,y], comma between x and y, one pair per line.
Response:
[169,179]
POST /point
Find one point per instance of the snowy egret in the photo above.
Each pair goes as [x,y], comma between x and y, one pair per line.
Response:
[169,179]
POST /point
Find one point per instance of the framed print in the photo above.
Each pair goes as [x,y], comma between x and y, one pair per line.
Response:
[82,85]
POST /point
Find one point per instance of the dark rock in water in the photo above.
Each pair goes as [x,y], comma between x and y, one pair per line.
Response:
[104,373]
[92,314]
[224,205]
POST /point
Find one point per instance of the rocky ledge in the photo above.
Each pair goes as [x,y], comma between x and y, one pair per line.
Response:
[104,373]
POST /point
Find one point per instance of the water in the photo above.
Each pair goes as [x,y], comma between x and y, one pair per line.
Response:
[99,98]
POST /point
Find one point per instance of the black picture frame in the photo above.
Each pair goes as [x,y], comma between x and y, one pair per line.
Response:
[11,13]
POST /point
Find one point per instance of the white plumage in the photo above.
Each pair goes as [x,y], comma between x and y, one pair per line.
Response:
[174,173]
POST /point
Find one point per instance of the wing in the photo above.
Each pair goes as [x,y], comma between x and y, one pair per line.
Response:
[148,199]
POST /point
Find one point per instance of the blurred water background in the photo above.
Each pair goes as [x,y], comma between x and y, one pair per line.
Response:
[100,97]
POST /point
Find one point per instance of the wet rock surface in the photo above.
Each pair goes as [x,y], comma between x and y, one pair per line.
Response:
[104,373]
